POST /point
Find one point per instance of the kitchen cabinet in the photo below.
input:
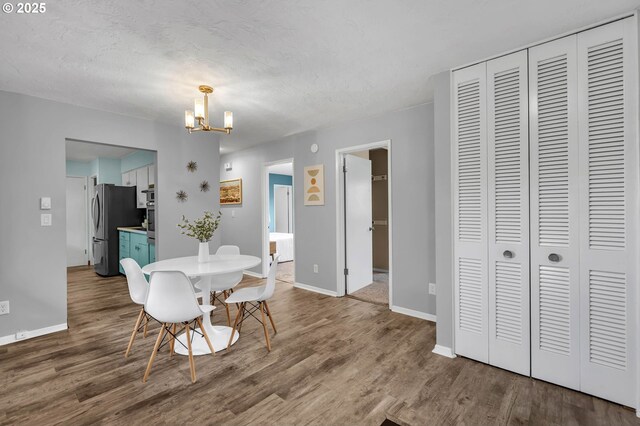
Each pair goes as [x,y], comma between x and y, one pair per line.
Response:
[142,184]
[129,178]
[141,178]
[152,174]
[136,246]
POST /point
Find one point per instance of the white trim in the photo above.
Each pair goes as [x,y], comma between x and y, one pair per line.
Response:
[253,274]
[265,211]
[413,313]
[316,289]
[549,39]
[443,351]
[275,218]
[33,333]
[340,289]
[88,247]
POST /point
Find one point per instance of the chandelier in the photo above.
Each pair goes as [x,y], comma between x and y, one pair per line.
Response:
[201,113]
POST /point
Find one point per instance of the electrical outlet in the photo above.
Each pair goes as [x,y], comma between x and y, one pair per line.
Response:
[315,269]
[4,307]
[21,335]
[432,288]
[45,219]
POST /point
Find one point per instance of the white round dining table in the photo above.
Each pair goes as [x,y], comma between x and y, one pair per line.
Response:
[217,265]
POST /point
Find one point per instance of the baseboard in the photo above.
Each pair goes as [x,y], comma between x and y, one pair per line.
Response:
[33,333]
[412,313]
[316,289]
[444,351]
[253,274]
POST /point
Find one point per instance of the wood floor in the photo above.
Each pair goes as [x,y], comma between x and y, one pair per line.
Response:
[334,362]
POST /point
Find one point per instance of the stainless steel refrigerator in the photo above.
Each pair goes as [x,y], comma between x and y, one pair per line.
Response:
[111,207]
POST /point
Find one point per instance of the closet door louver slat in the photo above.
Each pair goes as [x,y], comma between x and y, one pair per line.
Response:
[554,187]
[607,93]
[470,211]
[508,212]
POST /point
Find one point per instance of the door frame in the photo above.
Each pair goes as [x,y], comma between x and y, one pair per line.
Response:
[274,202]
[87,228]
[341,285]
[265,211]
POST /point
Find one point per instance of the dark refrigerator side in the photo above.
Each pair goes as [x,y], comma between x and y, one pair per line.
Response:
[117,207]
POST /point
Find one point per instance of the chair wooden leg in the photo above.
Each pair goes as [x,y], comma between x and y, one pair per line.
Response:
[206,336]
[243,307]
[146,324]
[264,326]
[226,305]
[191,366]
[155,351]
[235,324]
[172,345]
[273,324]
[135,331]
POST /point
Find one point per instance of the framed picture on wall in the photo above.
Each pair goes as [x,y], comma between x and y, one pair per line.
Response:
[231,192]
[314,185]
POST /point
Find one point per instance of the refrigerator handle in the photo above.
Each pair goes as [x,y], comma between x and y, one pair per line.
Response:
[95,205]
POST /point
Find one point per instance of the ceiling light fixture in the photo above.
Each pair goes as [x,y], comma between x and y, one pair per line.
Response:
[201,113]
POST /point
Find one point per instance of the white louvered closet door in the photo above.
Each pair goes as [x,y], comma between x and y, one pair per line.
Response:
[554,189]
[607,96]
[508,212]
[470,212]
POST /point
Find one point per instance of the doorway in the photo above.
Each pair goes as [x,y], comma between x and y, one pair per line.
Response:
[364,222]
[107,190]
[278,215]
[77,228]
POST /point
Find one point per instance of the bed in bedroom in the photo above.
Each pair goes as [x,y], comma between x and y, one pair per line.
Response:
[284,245]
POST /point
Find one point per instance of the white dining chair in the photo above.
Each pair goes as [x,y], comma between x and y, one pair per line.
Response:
[256,298]
[138,288]
[172,301]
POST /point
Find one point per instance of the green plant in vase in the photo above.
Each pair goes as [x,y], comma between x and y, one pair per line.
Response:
[202,229]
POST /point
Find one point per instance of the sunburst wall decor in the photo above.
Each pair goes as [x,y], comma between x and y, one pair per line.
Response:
[204,186]
[181,196]
[192,166]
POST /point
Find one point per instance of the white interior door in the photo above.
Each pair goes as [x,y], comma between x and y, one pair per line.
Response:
[555,212]
[607,113]
[358,223]
[508,199]
[76,221]
[470,212]
[283,208]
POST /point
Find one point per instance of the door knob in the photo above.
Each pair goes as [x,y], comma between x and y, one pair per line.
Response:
[554,257]
[508,254]
[371,228]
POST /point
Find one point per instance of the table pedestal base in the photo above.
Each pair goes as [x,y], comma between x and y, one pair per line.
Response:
[219,337]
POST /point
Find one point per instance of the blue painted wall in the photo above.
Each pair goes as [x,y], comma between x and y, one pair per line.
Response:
[78,168]
[136,160]
[275,179]
[109,170]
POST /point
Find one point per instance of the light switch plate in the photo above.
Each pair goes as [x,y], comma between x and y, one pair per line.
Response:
[45,203]
[227,166]
[45,219]
[432,288]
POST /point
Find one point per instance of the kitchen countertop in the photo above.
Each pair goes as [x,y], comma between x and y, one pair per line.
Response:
[134,229]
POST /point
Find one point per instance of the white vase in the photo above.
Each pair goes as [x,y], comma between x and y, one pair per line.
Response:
[203,252]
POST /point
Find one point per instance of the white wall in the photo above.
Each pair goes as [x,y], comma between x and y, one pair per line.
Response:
[411,132]
[32,159]
[245,229]
[443,211]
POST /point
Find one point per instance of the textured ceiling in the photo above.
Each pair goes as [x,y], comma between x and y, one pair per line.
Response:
[281,66]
